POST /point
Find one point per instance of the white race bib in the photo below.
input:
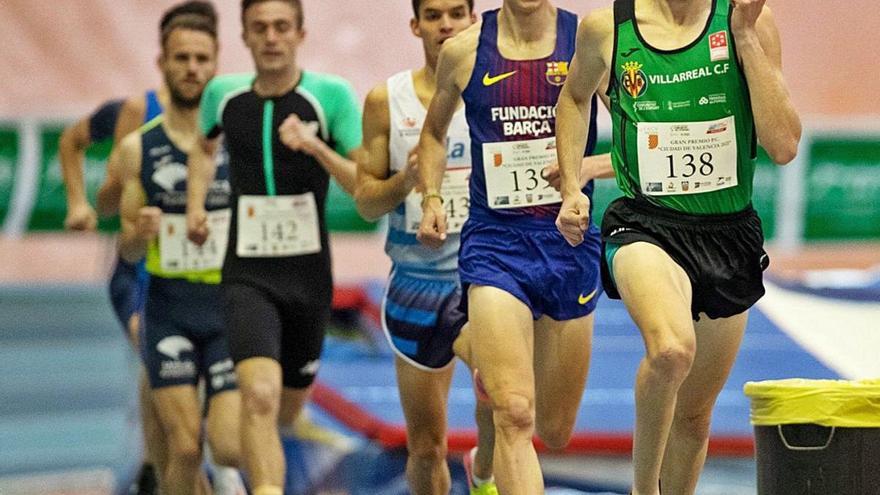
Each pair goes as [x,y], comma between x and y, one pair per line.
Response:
[178,254]
[456,201]
[687,157]
[276,226]
[515,173]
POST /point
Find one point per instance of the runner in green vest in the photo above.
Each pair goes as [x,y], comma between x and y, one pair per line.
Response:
[693,86]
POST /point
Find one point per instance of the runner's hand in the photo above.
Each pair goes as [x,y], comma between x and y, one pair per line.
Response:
[197,226]
[298,135]
[574,218]
[745,15]
[432,231]
[148,222]
[81,217]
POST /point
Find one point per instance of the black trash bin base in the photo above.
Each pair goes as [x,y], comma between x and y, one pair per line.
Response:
[809,459]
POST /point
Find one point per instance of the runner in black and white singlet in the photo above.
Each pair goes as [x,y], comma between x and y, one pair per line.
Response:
[692,86]
[287,131]
[420,311]
[529,296]
[184,333]
[127,285]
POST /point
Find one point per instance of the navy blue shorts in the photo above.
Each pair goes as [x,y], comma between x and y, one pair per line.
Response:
[536,266]
[128,290]
[185,336]
[422,318]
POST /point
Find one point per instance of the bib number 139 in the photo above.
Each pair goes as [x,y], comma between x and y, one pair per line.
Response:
[528,180]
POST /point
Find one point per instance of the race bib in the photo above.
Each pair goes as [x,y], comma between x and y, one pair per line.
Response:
[514,173]
[687,157]
[456,201]
[178,254]
[277,226]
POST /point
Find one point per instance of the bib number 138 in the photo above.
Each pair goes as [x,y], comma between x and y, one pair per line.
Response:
[687,165]
[687,157]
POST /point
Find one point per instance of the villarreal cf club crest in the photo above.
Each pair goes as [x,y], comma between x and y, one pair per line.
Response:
[557,72]
[633,79]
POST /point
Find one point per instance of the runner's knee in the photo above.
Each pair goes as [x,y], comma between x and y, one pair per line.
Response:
[514,413]
[261,398]
[427,448]
[672,360]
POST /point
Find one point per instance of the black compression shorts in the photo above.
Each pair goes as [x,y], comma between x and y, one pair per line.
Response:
[261,324]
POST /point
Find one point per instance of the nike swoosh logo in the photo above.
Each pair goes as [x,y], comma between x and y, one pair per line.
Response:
[490,80]
[630,52]
[582,299]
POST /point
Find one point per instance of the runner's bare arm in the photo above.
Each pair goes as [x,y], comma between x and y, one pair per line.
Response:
[379,192]
[71,152]
[131,117]
[588,70]
[132,241]
[200,171]
[573,112]
[757,42]
[454,68]
[110,192]
[297,136]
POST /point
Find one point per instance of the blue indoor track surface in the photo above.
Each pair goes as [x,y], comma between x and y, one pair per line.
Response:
[69,401]
[363,375]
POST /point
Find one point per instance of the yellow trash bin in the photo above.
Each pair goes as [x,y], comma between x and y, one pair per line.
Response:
[816,437]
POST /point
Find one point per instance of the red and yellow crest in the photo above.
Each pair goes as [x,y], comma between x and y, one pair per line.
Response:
[633,79]
[557,73]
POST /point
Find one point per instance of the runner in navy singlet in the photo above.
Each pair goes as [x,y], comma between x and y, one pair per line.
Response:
[529,296]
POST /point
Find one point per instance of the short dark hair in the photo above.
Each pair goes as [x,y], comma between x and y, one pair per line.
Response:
[296,4]
[193,22]
[417,4]
[195,7]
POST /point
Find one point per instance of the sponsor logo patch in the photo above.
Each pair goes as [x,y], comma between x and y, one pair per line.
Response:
[718,49]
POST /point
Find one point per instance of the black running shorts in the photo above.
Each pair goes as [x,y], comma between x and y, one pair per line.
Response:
[290,331]
[723,255]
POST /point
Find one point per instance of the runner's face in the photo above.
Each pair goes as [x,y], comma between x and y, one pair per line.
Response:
[440,20]
[188,62]
[272,35]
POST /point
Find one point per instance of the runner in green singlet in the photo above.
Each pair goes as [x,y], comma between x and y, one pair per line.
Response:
[694,85]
